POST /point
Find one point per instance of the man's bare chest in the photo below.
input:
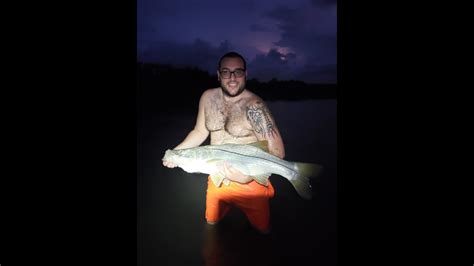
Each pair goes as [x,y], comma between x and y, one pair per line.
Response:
[228,118]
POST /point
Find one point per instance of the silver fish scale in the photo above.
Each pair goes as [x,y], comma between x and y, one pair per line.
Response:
[254,155]
[249,159]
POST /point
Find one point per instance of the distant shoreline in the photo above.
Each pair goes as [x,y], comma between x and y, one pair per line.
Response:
[189,83]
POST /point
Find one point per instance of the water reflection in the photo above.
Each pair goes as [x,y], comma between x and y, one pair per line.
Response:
[226,245]
[171,210]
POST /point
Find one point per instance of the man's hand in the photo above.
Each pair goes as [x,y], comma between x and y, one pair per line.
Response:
[232,174]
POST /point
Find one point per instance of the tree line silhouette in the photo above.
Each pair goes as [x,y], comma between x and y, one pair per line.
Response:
[165,86]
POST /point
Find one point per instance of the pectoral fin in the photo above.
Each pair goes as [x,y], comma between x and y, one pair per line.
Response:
[217,179]
[214,161]
[263,145]
[262,179]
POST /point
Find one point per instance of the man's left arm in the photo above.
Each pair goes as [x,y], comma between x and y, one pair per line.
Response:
[265,127]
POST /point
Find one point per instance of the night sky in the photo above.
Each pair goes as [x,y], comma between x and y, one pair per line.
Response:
[279,39]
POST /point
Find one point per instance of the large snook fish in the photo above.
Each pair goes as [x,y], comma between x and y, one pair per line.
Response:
[250,159]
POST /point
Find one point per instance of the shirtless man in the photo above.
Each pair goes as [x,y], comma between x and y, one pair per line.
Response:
[233,114]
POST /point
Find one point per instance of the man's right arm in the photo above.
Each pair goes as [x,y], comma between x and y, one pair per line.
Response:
[198,135]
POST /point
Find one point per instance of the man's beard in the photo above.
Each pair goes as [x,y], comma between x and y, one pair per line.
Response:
[227,92]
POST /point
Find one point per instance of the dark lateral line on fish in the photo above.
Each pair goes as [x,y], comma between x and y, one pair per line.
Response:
[256,158]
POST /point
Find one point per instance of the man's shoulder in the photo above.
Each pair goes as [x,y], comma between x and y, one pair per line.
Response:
[252,98]
[210,92]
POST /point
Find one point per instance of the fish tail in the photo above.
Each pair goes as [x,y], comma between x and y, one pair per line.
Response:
[301,182]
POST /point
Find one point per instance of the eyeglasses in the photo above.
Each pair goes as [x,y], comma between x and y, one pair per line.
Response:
[239,72]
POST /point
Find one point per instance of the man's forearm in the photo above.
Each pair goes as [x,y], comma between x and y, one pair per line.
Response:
[233,174]
[193,139]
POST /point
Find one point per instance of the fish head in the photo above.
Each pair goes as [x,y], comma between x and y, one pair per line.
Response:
[171,156]
[187,159]
[178,157]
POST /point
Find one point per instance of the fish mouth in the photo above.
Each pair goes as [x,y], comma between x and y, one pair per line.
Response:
[169,154]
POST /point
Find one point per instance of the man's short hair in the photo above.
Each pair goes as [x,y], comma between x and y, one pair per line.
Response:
[232,55]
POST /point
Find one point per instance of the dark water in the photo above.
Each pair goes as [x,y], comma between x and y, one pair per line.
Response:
[171,203]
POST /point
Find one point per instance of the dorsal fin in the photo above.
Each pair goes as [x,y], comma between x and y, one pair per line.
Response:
[263,145]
